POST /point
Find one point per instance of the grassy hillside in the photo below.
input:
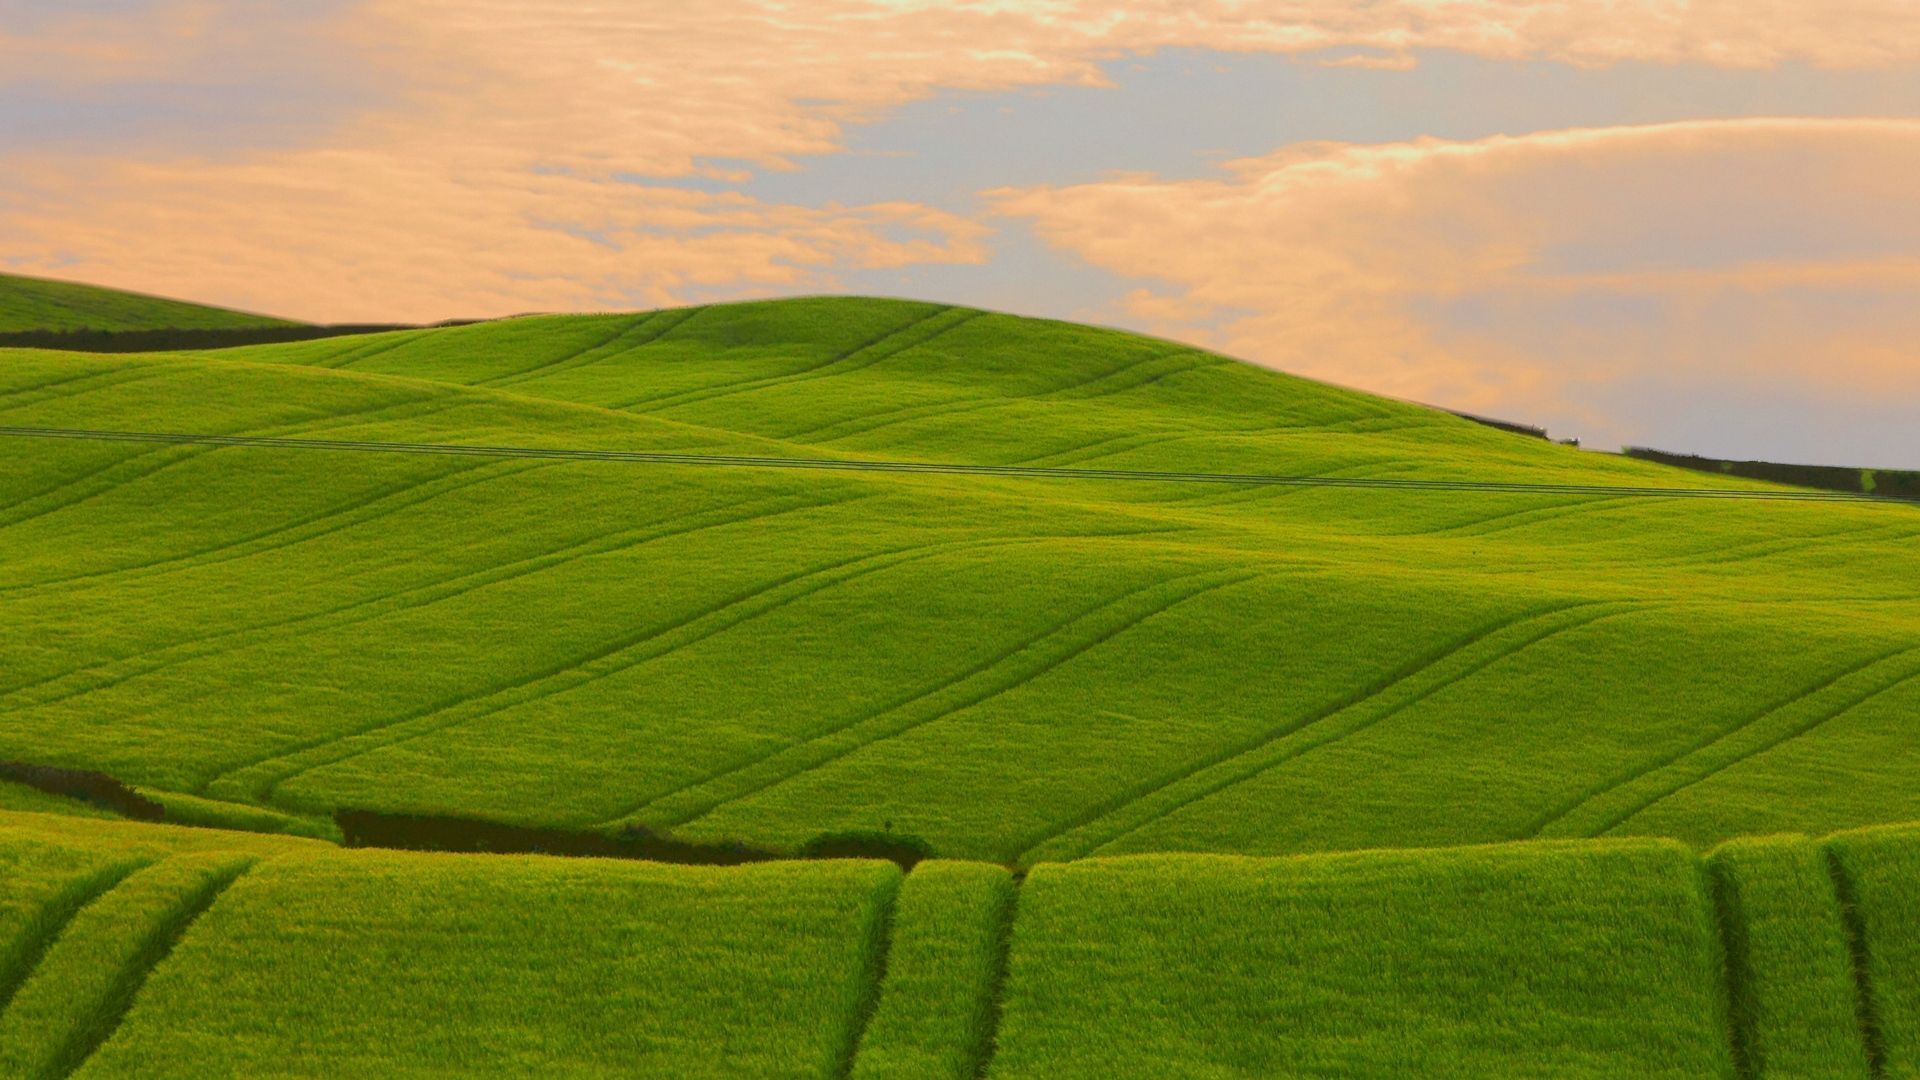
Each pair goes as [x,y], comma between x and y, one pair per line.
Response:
[1784,958]
[1014,668]
[39,304]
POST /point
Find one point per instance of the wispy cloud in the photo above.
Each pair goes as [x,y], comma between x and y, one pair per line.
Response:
[426,158]
[1552,275]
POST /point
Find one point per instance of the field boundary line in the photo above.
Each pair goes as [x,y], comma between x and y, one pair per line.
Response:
[825,755]
[1765,747]
[153,951]
[877,945]
[936,468]
[1866,1005]
[1313,733]
[1567,810]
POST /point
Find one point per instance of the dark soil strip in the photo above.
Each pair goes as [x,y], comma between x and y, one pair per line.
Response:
[1730,920]
[100,1026]
[1864,1004]
[878,943]
[428,832]
[92,787]
[997,983]
[943,468]
[51,920]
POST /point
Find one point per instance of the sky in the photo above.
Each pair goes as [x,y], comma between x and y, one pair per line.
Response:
[1689,224]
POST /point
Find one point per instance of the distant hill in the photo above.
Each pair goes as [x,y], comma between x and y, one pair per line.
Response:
[28,303]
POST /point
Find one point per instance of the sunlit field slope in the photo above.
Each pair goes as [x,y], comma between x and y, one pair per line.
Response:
[39,304]
[148,951]
[1017,667]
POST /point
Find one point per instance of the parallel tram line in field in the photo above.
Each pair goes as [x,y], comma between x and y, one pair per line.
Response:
[1115,819]
[1569,811]
[431,591]
[1767,744]
[263,786]
[1050,648]
[948,468]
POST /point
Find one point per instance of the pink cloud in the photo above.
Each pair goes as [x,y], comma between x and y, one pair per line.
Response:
[1523,275]
[486,177]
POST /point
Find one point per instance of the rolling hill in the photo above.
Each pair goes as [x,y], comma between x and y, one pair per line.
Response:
[28,303]
[1154,651]
[1010,666]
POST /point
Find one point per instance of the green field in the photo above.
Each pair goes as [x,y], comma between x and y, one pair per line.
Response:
[148,954]
[1012,668]
[40,304]
[1276,714]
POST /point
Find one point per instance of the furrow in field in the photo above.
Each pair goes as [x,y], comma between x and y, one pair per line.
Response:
[911,336]
[1006,671]
[861,425]
[1609,810]
[420,595]
[651,330]
[691,631]
[253,780]
[90,975]
[1519,519]
[351,356]
[1135,375]
[1577,817]
[621,328]
[170,456]
[654,402]
[1134,809]
[876,943]
[1866,1005]
[1729,923]
[24,954]
[114,377]
[995,997]
[938,1007]
[369,506]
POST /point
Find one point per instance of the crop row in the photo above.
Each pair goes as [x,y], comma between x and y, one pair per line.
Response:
[141,950]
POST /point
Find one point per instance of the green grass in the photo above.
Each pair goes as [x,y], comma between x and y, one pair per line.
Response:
[23,798]
[1878,873]
[39,304]
[90,974]
[936,1010]
[1793,994]
[165,953]
[1594,961]
[1014,669]
[408,965]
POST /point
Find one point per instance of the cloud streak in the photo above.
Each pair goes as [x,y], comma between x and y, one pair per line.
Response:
[1562,275]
